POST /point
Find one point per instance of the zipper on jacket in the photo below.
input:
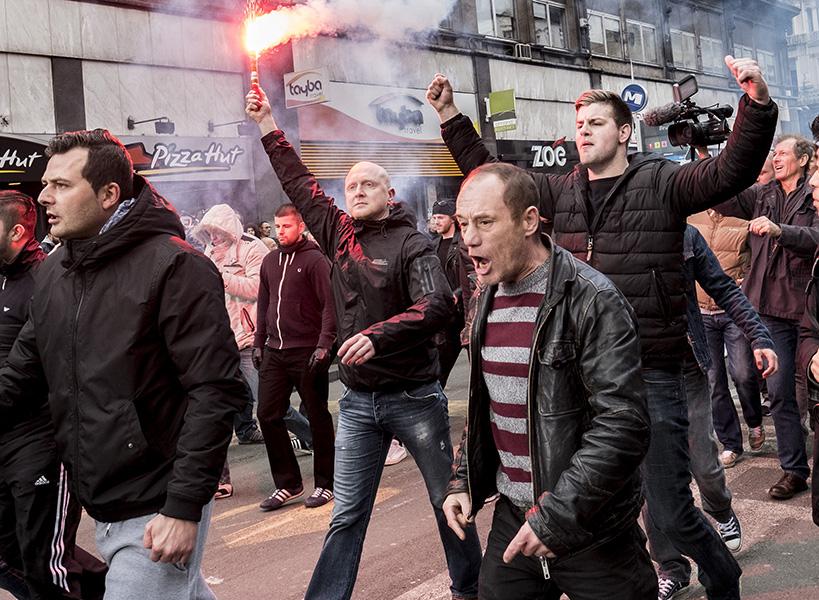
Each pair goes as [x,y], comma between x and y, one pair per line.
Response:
[77,387]
[544,564]
[589,247]
[279,300]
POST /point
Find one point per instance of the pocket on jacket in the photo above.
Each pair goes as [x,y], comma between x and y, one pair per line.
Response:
[559,391]
[247,321]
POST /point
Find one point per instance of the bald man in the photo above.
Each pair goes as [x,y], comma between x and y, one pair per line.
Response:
[391,298]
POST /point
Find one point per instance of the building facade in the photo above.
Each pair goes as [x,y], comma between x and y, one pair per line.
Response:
[803,49]
[71,64]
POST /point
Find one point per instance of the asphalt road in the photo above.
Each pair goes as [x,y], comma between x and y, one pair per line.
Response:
[254,555]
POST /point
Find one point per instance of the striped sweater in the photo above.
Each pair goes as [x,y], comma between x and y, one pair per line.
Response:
[505,366]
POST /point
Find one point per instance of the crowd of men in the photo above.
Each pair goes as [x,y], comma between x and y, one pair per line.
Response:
[596,307]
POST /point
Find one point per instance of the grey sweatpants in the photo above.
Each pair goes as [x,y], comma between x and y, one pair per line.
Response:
[133,576]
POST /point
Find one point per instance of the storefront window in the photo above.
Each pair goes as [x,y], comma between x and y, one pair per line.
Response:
[642,42]
[550,21]
[604,33]
[496,18]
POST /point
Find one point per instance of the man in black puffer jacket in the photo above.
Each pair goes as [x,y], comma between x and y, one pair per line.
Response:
[129,331]
[625,216]
[391,297]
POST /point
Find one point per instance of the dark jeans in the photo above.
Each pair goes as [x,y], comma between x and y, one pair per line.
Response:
[667,478]
[706,469]
[616,569]
[280,371]
[790,439]
[722,333]
[367,423]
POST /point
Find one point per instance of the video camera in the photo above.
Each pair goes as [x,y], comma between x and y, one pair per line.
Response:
[686,128]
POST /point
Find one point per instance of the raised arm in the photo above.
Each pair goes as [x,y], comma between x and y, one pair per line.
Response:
[466,145]
[323,218]
[706,183]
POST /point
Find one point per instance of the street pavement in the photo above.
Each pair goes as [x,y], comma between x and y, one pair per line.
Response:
[253,555]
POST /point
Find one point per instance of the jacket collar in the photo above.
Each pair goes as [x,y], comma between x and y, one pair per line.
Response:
[29,255]
[293,248]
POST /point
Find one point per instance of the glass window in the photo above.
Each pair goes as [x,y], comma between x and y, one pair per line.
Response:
[549,24]
[684,49]
[741,51]
[496,17]
[642,42]
[767,62]
[604,32]
[712,54]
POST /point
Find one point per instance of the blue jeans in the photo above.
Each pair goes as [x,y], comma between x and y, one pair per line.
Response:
[722,333]
[367,423]
[706,469]
[790,439]
[667,478]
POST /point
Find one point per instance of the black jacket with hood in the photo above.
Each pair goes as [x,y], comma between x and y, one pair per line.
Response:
[295,307]
[130,332]
[387,281]
[636,239]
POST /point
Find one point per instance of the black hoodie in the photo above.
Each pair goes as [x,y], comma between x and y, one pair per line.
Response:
[130,331]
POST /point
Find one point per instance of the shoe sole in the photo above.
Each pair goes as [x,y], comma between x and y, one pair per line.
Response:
[391,462]
[286,502]
[318,505]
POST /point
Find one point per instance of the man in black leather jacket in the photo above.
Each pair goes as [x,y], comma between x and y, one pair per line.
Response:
[557,419]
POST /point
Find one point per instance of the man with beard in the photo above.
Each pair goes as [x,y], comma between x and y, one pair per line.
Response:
[128,330]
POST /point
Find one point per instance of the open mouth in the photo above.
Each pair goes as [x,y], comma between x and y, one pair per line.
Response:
[482,265]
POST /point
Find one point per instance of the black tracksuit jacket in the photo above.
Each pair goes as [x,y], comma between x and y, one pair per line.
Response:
[130,332]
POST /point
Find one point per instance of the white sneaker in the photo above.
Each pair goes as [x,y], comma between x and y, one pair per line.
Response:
[395,454]
[728,458]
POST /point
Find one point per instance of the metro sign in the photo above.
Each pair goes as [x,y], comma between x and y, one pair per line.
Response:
[635,97]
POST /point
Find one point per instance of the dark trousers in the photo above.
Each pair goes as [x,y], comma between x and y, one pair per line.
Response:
[280,371]
[667,478]
[790,439]
[617,569]
[723,334]
[38,524]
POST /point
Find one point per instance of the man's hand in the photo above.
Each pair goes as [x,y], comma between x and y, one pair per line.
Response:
[526,543]
[258,107]
[456,507]
[257,356]
[814,366]
[764,226]
[170,540]
[441,98]
[319,361]
[766,356]
[356,351]
[749,77]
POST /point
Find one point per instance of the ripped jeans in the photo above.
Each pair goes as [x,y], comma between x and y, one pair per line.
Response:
[367,423]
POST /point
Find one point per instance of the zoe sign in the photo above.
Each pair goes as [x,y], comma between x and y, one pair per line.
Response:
[547,156]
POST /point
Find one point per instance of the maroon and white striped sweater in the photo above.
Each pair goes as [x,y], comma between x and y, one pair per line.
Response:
[505,365]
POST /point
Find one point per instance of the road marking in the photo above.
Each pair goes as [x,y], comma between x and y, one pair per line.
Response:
[296,521]
[436,588]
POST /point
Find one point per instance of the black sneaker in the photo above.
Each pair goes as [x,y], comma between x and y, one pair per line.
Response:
[299,445]
[731,533]
[668,588]
[254,437]
[280,497]
[319,497]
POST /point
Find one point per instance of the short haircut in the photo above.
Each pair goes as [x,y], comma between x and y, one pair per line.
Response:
[16,208]
[108,160]
[814,128]
[287,209]
[620,110]
[801,147]
[519,189]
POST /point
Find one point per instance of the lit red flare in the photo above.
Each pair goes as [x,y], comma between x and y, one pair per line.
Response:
[266,31]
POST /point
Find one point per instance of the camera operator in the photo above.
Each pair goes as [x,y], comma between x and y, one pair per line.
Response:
[783,240]
[625,215]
